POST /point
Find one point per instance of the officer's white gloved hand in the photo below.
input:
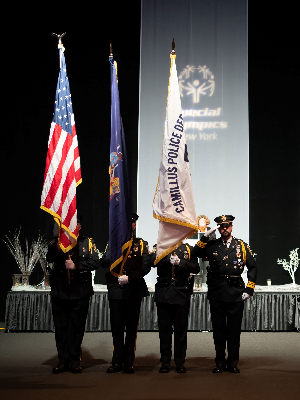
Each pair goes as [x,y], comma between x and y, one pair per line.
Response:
[175,260]
[123,279]
[211,231]
[245,296]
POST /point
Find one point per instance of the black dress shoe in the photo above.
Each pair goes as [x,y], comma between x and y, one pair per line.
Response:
[60,368]
[180,369]
[128,369]
[165,368]
[233,370]
[114,368]
[218,369]
[76,369]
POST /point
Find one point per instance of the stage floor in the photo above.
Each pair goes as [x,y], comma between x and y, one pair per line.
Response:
[270,369]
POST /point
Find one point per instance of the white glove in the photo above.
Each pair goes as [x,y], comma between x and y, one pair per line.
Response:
[123,279]
[245,296]
[175,260]
[211,231]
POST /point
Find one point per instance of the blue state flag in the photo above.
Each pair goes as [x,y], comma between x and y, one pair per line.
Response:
[120,212]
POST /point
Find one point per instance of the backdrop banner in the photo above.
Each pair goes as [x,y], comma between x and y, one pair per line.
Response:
[211,47]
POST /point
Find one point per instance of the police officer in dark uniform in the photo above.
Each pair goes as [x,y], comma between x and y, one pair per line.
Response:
[226,289]
[172,296]
[71,289]
[125,294]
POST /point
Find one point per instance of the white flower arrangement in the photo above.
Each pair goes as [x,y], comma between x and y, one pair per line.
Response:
[292,266]
[28,259]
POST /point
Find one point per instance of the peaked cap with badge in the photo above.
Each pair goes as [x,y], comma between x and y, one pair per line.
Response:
[224,219]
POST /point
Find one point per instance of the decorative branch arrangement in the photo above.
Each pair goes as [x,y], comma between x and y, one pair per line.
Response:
[292,266]
[28,259]
[43,262]
[100,254]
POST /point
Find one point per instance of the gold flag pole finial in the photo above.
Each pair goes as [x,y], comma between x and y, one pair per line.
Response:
[59,37]
[173,54]
[173,48]
[111,57]
[60,45]
[110,51]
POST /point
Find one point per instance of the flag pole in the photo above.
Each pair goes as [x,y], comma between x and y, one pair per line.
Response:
[60,46]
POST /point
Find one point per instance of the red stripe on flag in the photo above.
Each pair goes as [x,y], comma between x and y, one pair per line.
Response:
[76,153]
[78,175]
[65,240]
[51,148]
[70,178]
[58,174]
[73,130]
[70,214]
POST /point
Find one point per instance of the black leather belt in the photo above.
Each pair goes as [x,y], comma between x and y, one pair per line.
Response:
[174,282]
[231,280]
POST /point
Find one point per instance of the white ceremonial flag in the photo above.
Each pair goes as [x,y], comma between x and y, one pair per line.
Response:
[173,203]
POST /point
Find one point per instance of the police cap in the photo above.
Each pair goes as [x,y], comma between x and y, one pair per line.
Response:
[224,219]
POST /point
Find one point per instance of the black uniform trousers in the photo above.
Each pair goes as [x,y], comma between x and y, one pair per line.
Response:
[124,315]
[170,315]
[226,320]
[69,317]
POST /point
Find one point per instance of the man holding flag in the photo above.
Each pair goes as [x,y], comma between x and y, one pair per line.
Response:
[173,203]
[62,172]
[73,256]
[174,207]
[126,256]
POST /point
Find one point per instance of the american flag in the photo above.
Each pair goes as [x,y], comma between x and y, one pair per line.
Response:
[62,172]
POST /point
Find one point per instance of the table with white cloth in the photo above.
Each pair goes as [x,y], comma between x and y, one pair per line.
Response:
[270,309]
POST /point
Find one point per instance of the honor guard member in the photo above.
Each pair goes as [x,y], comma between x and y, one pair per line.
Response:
[71,289]
[226,289]
[125,295]
[172,296]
